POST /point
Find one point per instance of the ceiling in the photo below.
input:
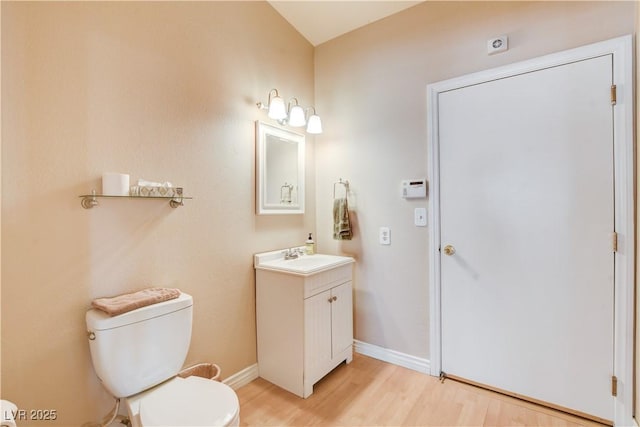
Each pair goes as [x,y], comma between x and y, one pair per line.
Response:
[322,20]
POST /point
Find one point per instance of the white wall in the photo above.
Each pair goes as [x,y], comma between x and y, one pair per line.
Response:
[371,93]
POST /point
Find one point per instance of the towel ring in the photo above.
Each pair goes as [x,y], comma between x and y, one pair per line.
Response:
[343,183]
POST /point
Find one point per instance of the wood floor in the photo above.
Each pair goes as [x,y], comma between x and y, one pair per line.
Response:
[368,392]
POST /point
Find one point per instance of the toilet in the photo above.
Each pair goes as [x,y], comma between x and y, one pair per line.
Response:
[137,355]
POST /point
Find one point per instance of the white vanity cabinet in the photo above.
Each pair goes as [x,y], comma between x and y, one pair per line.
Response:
[304,324]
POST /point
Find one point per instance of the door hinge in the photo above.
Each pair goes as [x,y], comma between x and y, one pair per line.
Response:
[614,94]
[614,385]
[614,241]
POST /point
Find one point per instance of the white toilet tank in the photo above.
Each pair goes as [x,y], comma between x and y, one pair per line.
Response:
[136,350]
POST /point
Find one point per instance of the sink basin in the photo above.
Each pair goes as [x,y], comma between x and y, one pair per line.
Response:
[303,265]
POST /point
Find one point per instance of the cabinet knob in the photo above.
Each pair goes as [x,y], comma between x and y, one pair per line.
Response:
[335,298]
[330,299]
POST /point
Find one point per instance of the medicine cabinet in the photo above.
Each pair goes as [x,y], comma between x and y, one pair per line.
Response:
[280,172]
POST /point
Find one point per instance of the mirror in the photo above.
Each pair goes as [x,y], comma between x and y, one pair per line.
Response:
[279,170]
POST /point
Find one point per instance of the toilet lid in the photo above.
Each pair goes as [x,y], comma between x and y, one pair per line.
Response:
[191,401]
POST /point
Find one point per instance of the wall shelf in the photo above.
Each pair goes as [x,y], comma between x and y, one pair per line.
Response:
[91,200]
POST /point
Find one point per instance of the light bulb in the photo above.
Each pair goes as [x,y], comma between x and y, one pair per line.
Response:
[296,116]
[277,109]
[314,125]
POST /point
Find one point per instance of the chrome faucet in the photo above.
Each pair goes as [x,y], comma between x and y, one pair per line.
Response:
[292,253]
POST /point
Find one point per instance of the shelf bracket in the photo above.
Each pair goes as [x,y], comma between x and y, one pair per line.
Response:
[176,203]
[89,202]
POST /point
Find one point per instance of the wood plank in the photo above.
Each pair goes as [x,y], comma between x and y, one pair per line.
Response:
[369,392]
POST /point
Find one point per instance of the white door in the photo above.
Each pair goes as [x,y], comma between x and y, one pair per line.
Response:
[527,208]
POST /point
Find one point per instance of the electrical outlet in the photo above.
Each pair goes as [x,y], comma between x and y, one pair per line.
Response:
[385,236]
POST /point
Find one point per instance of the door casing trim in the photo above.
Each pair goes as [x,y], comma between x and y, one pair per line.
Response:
[622,50]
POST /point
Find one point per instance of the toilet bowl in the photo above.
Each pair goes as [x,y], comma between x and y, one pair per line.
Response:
[191,401]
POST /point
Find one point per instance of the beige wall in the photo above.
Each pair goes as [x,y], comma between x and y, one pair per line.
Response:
[162,91]
[167,91]
[371,92]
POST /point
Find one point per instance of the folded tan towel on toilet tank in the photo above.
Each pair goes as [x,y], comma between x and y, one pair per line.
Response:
[127,302]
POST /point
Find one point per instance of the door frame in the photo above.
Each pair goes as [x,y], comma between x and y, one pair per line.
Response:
[623,152]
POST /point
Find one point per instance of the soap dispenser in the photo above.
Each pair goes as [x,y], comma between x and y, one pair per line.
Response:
[310,245]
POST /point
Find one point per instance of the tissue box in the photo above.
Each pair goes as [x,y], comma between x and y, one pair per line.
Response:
[155,191]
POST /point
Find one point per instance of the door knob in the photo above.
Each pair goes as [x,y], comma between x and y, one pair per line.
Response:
[449,250]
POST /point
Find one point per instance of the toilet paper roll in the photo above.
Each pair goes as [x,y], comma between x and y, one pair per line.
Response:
[115,184]
[8,410]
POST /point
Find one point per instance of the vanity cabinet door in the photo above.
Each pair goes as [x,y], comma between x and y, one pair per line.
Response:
[341,318]
[317,334]
[328,329]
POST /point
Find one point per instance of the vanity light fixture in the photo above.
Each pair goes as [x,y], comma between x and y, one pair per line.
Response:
[314,124]
[294,115]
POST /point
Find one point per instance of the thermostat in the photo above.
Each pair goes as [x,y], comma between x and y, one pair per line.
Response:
[414,188]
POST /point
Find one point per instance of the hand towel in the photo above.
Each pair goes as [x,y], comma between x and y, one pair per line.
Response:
[341,222]
[128,302]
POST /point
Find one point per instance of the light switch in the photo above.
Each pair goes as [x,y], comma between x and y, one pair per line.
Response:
[420,217]
[385,236]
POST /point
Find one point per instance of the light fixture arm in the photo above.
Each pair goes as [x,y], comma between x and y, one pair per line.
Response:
[306,111]
[263,106]
[284,121]
[289,105]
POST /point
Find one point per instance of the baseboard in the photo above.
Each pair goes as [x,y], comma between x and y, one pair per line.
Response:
[391,356]
[243,377]
[250,373]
